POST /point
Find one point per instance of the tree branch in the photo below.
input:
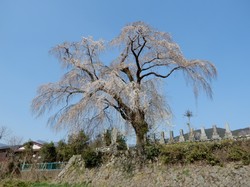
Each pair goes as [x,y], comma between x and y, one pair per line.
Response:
[91,61]
[159,75]
[148,62]
[155,65]
[87,71]
[128,73]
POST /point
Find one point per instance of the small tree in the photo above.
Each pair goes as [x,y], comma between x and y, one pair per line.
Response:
[76,145]
[12,165]
[48,152]
[78,142]
[63,151]
[28,152]
[92,92]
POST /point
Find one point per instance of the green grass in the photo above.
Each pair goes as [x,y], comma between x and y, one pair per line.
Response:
[21,183]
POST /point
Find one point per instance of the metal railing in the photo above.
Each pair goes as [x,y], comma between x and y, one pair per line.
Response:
[44,166]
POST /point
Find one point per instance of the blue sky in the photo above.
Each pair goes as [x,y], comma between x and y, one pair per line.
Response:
[213,30]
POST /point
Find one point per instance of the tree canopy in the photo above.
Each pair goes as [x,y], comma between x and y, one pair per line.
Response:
[92,93]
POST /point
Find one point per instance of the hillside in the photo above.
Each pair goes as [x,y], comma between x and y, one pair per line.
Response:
[220,131]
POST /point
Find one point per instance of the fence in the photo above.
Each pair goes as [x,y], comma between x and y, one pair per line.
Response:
[44,166]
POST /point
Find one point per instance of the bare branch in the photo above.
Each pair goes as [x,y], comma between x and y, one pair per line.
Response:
[4,132]
[155,65]
[159,75]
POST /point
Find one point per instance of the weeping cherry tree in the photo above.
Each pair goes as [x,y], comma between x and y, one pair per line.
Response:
[91,93]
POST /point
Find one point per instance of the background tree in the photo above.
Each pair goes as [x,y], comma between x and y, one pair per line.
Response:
[28,152]
[92,92]
[78,142]
[63,151]
[48,152]
[13,161]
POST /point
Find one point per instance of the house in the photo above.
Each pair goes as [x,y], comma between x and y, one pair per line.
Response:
[5,151]
[36,146]
[33,146]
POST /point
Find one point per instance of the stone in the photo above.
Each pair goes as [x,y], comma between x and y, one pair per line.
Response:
[215,135]
[191,137]
[181,137]
[203,136]
[171,137]
[112,174]
[162,139]
[103,139]
[114,134]
[228,133]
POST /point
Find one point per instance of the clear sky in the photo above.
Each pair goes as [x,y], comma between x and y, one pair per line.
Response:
[214,30]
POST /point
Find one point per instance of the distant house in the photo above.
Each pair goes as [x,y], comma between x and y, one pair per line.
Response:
[5,151]
[36,146]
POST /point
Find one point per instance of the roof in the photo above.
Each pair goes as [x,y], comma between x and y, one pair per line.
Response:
[36,145]
[4,146]
[40,142]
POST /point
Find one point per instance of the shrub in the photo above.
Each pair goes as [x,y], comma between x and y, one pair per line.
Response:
[92,158]
[107,137]
[121,142]
[238,153]
[197,152]
[172,154]
[48,152]
[78,142]
[64,152]
[152,151]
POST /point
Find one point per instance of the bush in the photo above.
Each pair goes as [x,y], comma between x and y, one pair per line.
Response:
[107,137]
[121,142]
[213,153]
[152,151]
[48,152]
[77,143]
[92,158]
[64,152]
[172,154]
[197,152]
[238,153]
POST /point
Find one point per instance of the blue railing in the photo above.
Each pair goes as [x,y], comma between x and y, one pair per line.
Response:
[44,166]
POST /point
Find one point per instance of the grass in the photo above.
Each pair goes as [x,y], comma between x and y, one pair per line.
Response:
[21,183]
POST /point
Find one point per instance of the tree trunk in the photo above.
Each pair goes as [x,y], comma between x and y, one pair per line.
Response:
[141,128]
[140,142]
